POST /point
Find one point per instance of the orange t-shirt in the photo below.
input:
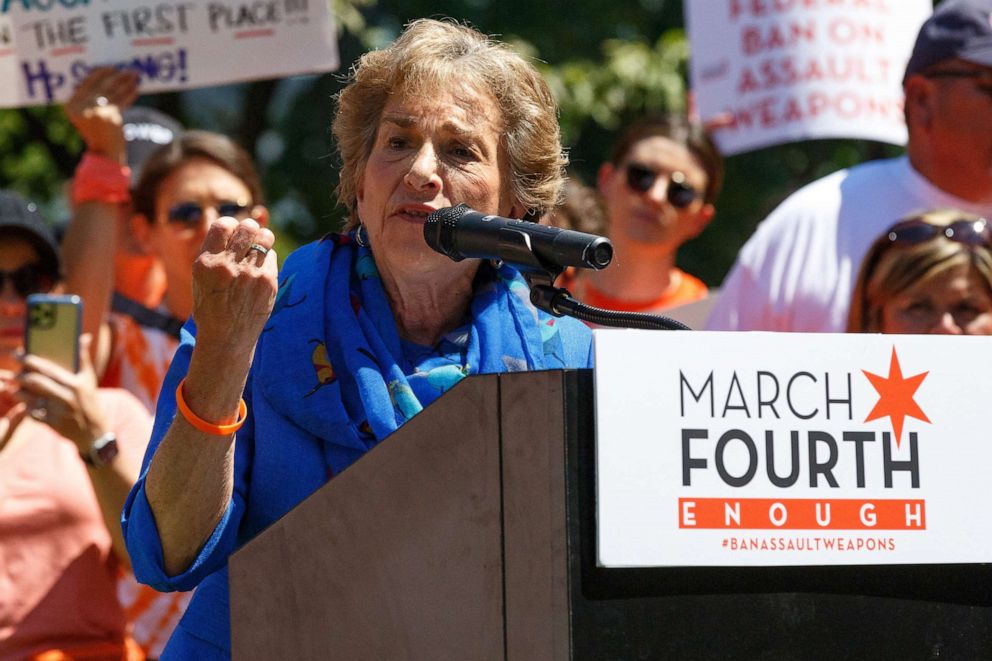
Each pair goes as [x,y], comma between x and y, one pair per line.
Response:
[687,289]
[141,278]
[139,359]
[138,363]
[58,572]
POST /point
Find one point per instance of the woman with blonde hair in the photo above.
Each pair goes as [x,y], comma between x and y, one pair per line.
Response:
[929,273]
[443,116]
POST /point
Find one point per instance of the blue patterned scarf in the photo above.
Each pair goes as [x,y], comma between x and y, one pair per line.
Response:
[335,367]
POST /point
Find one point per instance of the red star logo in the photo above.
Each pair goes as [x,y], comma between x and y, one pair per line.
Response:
[895,396]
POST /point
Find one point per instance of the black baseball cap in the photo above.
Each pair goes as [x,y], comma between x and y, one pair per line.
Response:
[958,29]
[22,218]
[146,130]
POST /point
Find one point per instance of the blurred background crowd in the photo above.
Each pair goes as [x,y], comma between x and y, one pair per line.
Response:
[608,64]
[906,234]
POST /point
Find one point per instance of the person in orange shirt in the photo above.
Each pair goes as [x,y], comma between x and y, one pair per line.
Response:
[183,186]
[658,190]
[184,183]
[69,452]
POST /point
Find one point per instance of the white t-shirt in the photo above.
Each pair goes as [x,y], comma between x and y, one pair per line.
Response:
[798,270]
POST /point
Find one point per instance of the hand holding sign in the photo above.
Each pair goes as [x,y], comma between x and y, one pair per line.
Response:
[47,48]
[95,110]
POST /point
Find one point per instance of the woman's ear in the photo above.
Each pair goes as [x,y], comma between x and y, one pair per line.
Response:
[360,188]
[139,227]
[604,177]
[700,220]
[260,213]
[518,210]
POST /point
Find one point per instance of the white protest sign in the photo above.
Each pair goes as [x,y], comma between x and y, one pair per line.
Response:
[48,46]
[753,449]
[787,70]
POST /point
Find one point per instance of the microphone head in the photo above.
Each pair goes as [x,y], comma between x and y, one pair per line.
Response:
[600,254]
[439,230]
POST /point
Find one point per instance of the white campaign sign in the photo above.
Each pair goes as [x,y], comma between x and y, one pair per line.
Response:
[788,70]
[750,449]
[48,46]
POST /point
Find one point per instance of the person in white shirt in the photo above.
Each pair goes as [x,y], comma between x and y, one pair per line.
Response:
[798,270]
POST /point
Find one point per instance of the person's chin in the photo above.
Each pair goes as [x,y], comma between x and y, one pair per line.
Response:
[655,235]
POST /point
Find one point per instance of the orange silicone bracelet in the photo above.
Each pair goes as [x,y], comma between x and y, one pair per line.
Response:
[203,425]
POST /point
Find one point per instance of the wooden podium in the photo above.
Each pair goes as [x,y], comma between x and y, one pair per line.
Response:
[470,535]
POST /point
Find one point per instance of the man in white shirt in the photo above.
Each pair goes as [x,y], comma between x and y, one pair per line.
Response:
[797,271]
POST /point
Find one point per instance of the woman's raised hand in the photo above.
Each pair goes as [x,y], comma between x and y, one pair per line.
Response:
[234,286]
[95,110]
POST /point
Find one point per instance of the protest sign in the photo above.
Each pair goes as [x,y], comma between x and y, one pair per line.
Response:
[776,449]
[774,71]
[48,46]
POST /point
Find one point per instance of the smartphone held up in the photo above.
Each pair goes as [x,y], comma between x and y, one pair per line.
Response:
[54,323]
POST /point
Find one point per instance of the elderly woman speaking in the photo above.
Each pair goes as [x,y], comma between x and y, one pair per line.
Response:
[282,390]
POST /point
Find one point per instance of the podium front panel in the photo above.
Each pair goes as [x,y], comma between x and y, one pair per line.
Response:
[399,556]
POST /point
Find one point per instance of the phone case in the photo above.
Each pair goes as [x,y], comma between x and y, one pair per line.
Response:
[53,326]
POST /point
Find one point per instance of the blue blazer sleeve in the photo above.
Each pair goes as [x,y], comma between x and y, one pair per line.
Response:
[140,531]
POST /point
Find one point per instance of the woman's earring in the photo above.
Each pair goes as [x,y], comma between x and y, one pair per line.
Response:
[362,237]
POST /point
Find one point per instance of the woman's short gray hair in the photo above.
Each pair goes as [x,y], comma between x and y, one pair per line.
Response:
[429,56]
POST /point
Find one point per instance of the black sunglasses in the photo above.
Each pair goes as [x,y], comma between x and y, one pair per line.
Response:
[680,194]
[969,232]
[191,213]
[27,280]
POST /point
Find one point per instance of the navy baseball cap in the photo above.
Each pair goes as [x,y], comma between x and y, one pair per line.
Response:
[146,130]
[958,29]
[20,217]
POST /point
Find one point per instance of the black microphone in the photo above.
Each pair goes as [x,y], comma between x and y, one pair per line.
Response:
[460,232]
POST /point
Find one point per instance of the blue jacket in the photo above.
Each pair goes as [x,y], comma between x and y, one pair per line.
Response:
[284,451]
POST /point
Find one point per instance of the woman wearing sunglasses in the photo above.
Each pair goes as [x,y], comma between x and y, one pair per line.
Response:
[930,273]
[69,452]
[658,191]
[183,187]
[285,387]
[161,213]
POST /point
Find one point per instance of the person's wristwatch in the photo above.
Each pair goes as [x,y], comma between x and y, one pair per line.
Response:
[102,452]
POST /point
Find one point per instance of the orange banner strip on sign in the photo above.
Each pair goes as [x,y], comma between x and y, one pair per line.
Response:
[801,514]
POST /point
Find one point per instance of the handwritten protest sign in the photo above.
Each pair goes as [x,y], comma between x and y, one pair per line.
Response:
[784,70]
[48,46]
